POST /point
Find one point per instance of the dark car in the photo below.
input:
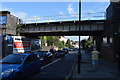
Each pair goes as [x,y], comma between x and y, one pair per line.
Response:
[66,50]
[52,51]
[60,53]
[76,49]
[19,66]
[45,56]
[28,52]
[70,49]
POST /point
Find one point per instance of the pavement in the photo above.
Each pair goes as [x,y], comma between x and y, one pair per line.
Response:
[106,70]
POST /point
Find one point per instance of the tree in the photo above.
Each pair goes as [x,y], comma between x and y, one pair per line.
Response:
[63,42]
[60,45]
[42,41]
[50,40]
[83,43]
[19,29]
[68,44]
[88,46]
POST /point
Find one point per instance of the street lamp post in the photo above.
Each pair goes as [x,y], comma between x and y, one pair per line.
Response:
[79,53]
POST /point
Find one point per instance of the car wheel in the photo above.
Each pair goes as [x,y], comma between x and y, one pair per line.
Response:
[38,70]
[19,76]
[42,64]
[51,59]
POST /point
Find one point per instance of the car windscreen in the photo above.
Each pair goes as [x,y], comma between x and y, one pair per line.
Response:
[13,59]
[59,52]
[65,49]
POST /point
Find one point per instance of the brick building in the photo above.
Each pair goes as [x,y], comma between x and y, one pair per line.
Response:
[8,24]
[111,40]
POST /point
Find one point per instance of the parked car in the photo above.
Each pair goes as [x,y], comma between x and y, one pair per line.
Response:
[60,53]
[28,52]
[70,49]
[52,51]
[76,49]
[44,56]
[66,50]
[17,66]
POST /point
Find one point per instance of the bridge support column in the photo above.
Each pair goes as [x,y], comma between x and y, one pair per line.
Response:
[98,42]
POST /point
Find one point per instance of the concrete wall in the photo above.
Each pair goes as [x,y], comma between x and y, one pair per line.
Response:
[107,53]
[11,24]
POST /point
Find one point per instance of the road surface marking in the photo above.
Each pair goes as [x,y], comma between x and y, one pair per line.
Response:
[71,71]
[52,62]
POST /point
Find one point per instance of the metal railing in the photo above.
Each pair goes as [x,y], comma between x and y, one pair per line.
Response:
[66,17]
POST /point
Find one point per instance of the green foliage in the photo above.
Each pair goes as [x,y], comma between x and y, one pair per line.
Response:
[83,43]
[68,44]
[50,40]
[56,40]
[42,41]
[88,44]
[58,43]
[19,28]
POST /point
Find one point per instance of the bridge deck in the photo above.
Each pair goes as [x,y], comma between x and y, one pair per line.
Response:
[88,27]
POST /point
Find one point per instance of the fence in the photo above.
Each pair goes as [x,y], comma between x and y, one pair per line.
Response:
[65,17]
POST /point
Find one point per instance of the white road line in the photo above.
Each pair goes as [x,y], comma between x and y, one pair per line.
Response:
[52,62]
[66,54]
[69,75]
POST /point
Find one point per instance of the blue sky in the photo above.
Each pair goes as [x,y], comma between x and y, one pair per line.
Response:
[30,9]
[43,9]
[53,9]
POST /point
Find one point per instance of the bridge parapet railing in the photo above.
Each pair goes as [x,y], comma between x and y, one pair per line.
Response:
[65,17]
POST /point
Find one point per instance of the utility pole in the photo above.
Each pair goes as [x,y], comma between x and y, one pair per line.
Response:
[79,53]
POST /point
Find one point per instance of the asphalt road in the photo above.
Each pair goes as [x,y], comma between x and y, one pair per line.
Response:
[58,69]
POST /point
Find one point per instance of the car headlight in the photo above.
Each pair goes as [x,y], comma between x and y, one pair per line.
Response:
[7,72]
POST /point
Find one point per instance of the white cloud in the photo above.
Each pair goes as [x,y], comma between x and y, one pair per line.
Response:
[19,14]
[61,13]
[70,15]
[4,8]
[71,10]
